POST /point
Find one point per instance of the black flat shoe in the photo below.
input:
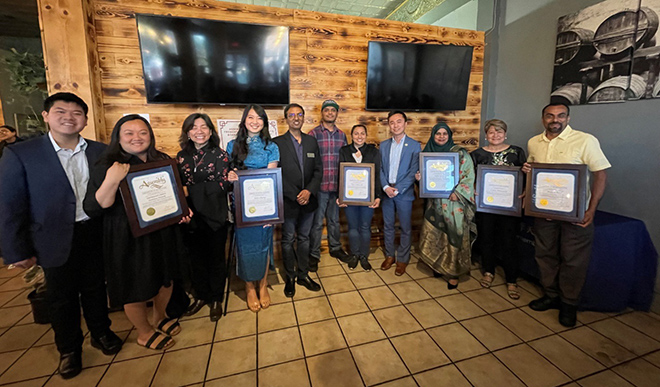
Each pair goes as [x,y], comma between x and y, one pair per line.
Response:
[195,307]
[290,287]
[341,255]
[545,303]
[109,343]
[216,310]
[567,315]
[451,286]
[309,283]
[70,364]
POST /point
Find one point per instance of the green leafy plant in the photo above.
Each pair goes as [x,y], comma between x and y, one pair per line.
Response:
[27,75]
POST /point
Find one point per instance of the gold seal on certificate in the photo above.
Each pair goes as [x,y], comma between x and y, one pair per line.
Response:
[498,189]
[557,191]
[356,183]
[258,197]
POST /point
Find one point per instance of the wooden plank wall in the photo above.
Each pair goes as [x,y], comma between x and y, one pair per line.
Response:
[328,58]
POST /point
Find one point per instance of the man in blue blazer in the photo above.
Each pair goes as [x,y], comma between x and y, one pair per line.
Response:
[399,163]
[42,186]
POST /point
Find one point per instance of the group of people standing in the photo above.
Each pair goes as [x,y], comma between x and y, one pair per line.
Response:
[60,207]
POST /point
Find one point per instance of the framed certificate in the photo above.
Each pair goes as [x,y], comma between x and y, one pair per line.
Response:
[153,196]
[440,174]
[557,191]
[498,189]
[258,196]
[357,183]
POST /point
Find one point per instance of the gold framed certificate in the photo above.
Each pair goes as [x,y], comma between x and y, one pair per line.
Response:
[498,189]
[153,196]
[357,184]
[440,173]
[258,197]
[557,191]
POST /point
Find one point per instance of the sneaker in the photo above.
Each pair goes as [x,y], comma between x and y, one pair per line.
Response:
[364,262]
[352,262]
[341,255]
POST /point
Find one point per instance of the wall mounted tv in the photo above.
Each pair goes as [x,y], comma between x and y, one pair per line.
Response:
[417,77]
[202,61]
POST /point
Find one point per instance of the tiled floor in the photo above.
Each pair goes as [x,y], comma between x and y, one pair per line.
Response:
[364,328]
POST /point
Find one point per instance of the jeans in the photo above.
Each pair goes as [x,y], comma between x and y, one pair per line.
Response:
[329,210]
[359,229]
[299,256]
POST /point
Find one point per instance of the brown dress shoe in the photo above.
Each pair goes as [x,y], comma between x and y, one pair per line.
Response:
[387,263]
[400,268]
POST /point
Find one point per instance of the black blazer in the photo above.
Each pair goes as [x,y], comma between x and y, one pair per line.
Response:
[293,180]
[370,154]
[37,203]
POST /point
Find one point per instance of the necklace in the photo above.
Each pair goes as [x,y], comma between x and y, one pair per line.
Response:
[199,163]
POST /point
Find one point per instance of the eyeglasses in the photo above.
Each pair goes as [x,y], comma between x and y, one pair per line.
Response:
[294,115]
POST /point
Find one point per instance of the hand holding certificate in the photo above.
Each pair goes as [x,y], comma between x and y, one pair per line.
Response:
[356,184]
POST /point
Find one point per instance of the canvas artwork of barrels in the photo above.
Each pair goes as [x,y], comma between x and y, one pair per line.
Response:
[623,31]
[574,45]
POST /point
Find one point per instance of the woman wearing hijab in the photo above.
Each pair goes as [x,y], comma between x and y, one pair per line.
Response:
[448,228]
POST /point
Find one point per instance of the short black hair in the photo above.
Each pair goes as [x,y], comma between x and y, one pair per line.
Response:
[568,109]
[289,106]
[66,97]
[395,112]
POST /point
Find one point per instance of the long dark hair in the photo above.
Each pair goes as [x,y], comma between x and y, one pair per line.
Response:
[240,150]
[187,145]
[114,151]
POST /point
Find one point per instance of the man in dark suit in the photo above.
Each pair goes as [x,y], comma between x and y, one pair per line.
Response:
[302,171]
[42,186]
[399,163]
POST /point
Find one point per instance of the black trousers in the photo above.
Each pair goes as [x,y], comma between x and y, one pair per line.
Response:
[296,231]
[80,280]
[208,261]
[498,235]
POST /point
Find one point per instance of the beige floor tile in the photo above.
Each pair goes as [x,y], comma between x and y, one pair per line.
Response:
[277,296]
[567,357]
[597,346]
[6,297]
[429,313]
[654,358]
[447,376]
[640,373]
[535,289]
[460,307]
[604,379]
[489,301]
[276,317]
[235,302]
[389,277]
[279,346]
[92,357]
[236,324]
[419,270]
[322,337]
[22,336]
[11,316]
[627,337]
[292,374]
[587,316]
[436,287]
[409,292]
[380,297]
[333,369]
[120,322]
[487,371]
[243,357]
[47,338]
[522,324]
[549,318]
[468,284]
[302,293]
[378,362]
[530,367]
[345,304]
[525,296]
[8,358]
[187,366]
[329,271]
[337,284]
[88,377]
[313,309]
[327,260]
[491,333]
[28,319]
[246,379]
[366,279]
[194,332]
[15,283]
[403,382]
[360,328]
[5,272]
[396,321]
[419,352]
[644,322]
[134,372]
[131,349]
[456,342]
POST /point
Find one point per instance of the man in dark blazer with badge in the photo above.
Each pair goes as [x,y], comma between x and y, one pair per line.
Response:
[302,170]
[42,185]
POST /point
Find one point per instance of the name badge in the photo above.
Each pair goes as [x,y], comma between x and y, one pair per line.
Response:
[311,155]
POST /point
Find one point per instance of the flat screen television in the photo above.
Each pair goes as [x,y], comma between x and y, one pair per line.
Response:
[200,61]
[417,77]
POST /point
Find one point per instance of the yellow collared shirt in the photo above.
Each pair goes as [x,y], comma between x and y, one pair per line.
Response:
[570,147]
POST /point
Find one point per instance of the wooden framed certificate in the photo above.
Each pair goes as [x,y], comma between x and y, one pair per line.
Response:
[153,196]
[557,191]
[357,184]
[259,198]
[440,174]
[498,189]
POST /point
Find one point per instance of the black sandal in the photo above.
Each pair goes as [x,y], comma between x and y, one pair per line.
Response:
[165,343]
[172,330]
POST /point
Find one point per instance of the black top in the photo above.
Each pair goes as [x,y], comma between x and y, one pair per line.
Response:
[205,174]
[370,154]
[511,156]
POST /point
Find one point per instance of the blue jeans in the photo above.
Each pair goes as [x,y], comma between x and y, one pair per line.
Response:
[329,210]
[400,209]
[300,256]
[359,229]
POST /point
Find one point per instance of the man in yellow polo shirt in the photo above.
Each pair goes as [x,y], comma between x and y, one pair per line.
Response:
[563,249]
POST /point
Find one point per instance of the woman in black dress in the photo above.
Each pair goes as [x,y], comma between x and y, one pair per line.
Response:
[204,166]
[137,269]
[497,233]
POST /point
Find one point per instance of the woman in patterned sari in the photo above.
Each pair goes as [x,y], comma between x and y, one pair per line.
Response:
[448,228]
